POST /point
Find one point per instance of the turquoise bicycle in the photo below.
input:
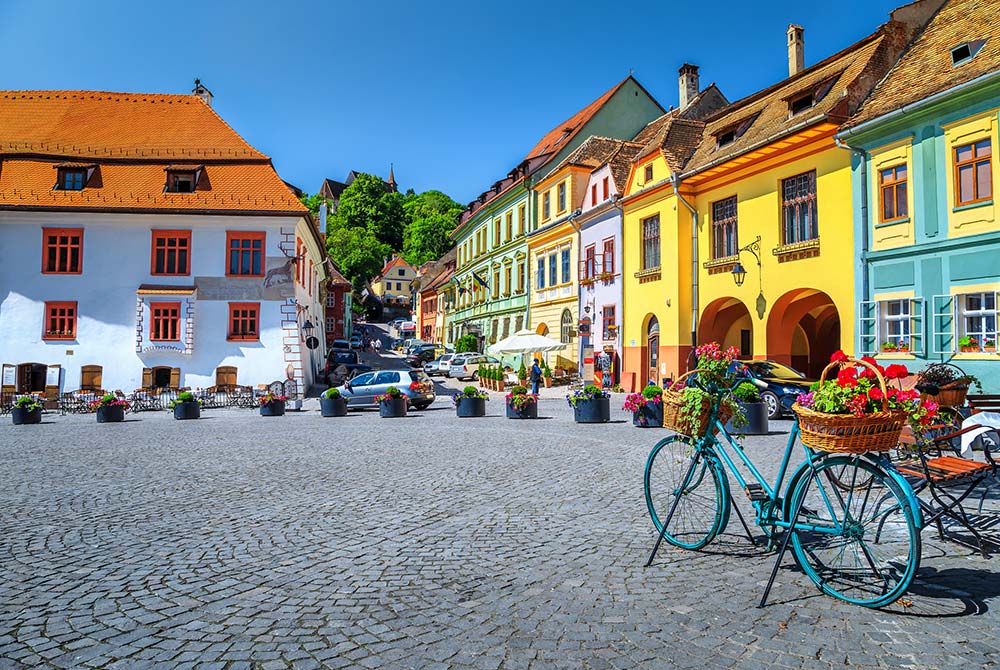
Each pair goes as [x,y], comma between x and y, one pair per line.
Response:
[852,522]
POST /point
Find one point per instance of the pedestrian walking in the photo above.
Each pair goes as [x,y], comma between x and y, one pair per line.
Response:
[378,346]
[536,377]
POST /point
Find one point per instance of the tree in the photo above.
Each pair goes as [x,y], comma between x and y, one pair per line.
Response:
[432,216]
[357,252]
[366,204]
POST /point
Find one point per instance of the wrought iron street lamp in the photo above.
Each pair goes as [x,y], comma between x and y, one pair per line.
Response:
[740,274]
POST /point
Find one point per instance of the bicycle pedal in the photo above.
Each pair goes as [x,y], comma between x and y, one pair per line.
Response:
[755,492]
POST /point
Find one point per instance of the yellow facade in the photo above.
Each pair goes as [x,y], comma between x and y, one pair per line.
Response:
[796,307]
[979,217]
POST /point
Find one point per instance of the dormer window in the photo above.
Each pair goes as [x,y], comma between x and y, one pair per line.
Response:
[804,100]
[647,173]
[726,137]
[71,179]
[963,53]
[182,178]
[801,104]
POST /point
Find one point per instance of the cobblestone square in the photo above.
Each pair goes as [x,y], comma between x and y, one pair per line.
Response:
[240,542]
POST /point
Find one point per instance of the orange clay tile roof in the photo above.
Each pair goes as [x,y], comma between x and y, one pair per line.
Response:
[926,67]
[837,81]
[594,152]
[395,261]
[131,139]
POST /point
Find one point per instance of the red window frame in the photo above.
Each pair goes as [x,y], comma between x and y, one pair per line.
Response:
[244,236]
[593,194]
[589,261]
[606,188]
[609,317]
[62,251]
[181,243]
[244,322]
[609,255]
[164,322]
[60,318]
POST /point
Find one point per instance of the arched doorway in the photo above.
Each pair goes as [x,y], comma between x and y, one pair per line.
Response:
[652,350]
[803,330]
[727,321]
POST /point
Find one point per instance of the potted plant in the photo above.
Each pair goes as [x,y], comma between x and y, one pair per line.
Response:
[471,402]
[186,406]
[109,408]
[272,405]
[967,343]
[592,404]
[391,404]
[332,403]
[753,410]
[946,384]
[26,410]
[522,375]
[646,407]
[521,404]
[547,375]
[687,402]
[481,375]
[903,346]
[989,345]
[889,347]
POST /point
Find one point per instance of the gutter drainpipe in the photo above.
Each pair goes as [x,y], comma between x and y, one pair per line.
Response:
[863,171]
[579,241]
[676,181]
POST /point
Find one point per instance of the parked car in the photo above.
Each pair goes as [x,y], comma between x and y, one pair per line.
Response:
[439,366]
[342,365]
[356,342]
[466,366]
[414,384]
[340,344]
[779,384]
[420,357]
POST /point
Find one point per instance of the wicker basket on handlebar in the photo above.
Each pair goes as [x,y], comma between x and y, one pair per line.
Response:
[673,404]
[847,433]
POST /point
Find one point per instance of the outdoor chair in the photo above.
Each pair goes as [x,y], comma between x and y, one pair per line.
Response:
[948,478]
[984,403]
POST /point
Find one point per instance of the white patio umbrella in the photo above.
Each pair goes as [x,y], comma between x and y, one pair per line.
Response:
[525,342]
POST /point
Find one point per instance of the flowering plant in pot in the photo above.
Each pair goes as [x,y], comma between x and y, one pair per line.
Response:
[26,410]
[521,404]
[591,404]
[186,406]
[272,404]
[687,402]
[751,417]
[471,402]
[391,404]
[989,345]
[968,343]
[946,384]
[903,346]
[646,407]
[889,346]
[110,408]
[332,403]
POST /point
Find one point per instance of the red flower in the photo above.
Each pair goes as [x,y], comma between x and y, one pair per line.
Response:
[838,356]
[875,393]
[868,373]
[858,404]
[896,371]
[847,377]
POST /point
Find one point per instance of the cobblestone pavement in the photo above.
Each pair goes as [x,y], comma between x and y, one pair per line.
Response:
[245,542]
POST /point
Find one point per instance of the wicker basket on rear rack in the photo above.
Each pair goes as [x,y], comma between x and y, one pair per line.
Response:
[846,433]
[953,393]
[673,403]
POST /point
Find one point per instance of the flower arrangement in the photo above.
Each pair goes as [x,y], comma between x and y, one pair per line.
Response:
[28,402]
[858,392]
[651,395]
[471,392]
[589,392]
[889,346]
[391,393]
[968,343]
[588,281]
[109,400]
[989,344]
[184,396]
[332,393]
[716,370]
[939,375]
[605,277]
[271,398]
[518,398]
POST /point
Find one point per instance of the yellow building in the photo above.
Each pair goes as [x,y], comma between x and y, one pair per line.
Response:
[771,194]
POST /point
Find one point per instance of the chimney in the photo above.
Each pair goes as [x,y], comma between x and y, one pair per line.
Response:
[796,48]
[202,92]
[688,84]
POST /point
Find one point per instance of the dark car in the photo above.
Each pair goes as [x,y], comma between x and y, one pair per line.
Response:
[422,355]
[343,364]
[779,385]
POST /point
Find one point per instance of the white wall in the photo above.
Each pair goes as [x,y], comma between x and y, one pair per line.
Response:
[116,260]
[594,232]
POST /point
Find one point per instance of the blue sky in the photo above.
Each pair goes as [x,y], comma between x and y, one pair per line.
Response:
[452,93]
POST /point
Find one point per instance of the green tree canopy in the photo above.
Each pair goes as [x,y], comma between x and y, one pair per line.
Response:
[432,216]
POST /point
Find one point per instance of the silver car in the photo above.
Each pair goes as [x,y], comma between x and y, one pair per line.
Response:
[414,384]
[466,366]
[439,366]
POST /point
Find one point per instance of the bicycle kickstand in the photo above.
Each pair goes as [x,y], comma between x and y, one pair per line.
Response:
[787,537]
[746,528]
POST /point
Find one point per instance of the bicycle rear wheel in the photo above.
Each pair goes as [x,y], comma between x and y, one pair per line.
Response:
[860,543]
[693,484]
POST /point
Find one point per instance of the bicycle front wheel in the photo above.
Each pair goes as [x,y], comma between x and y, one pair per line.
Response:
[691,484]
[857,541]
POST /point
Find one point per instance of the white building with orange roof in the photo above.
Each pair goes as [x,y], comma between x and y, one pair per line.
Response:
[144,243]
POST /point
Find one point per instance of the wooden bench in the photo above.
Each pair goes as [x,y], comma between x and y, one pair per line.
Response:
[983,402]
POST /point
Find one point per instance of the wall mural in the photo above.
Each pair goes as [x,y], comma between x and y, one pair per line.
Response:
[276,284]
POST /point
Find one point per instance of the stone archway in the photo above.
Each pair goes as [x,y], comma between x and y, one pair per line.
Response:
[727,321]
[803,329]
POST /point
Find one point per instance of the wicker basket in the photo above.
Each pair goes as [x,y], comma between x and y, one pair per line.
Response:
[951,394]
[846,433]
[673,402]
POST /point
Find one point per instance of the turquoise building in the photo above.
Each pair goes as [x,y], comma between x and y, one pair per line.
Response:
[925,179]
